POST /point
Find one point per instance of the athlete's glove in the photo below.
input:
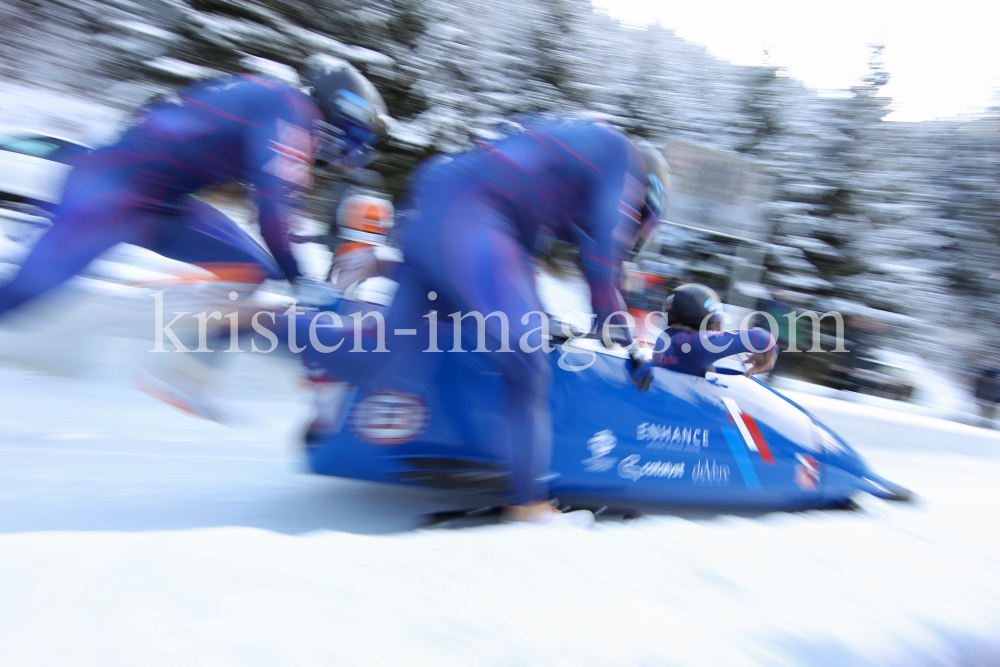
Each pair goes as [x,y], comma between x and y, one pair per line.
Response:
[641,367]
[314,293]
[762,362]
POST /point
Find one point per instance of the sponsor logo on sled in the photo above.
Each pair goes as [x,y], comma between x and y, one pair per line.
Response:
[665,436]
[600,446]
[389,418]
[807,473]
[710,472]
[630,468]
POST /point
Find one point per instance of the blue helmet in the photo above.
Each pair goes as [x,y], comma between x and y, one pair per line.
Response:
[353,111]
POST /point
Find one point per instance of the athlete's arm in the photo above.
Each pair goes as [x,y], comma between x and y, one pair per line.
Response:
[704,349]
[279,149]
[608,227]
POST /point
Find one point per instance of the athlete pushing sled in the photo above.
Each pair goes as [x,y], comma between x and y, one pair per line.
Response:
[474,223]
[241,128]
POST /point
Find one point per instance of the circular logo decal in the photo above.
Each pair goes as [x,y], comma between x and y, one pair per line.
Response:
[389,418]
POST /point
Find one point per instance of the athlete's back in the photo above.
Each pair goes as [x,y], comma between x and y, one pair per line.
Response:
[578,181]
[235,128]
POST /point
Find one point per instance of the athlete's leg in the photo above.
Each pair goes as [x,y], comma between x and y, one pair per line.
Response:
[191,231]
[202,235]
[467,253]
[98,212]
[491,273]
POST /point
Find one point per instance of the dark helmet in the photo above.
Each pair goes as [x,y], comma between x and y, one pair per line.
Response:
[691,304]
[657,191]
[353,111]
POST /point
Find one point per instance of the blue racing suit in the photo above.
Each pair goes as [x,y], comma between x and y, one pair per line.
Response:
[694,353]
[239,128]
[474,222]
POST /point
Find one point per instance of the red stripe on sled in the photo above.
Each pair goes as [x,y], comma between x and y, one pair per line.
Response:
[765,452]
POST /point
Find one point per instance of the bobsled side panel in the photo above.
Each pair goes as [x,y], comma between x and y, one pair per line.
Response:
[681,442]
[447,422]
[715,441]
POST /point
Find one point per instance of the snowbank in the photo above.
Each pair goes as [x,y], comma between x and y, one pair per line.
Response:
[915,584]
[906,586]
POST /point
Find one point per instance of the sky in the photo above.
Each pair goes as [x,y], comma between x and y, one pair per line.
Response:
[943,57]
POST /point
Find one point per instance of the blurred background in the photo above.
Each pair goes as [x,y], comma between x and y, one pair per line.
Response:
[783,197]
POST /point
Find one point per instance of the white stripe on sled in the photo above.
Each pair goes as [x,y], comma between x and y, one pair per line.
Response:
[737,414]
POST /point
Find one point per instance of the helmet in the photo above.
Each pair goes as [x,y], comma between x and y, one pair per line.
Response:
[692,305]
[657,191]
[353,111]
[364,218]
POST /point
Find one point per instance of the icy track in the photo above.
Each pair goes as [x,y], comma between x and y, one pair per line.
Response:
[135,535]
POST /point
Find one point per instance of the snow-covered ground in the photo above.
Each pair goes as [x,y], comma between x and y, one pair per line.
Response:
[133,534]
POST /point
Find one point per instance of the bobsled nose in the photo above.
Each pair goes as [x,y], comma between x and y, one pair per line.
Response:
[883,488]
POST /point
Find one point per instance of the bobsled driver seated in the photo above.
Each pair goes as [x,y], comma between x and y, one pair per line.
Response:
[693,340]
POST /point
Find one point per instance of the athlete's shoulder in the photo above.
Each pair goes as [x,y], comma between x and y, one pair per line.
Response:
[227,84]
[683,335]
[575,127]
[253,87]
[276,87]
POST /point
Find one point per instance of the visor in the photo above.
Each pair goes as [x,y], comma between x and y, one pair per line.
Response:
[359,148]
[349,146]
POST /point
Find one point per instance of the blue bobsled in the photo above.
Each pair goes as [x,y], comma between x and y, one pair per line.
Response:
[722,441]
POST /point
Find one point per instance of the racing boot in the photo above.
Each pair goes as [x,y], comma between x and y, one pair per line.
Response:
[180,385]
[183,377]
